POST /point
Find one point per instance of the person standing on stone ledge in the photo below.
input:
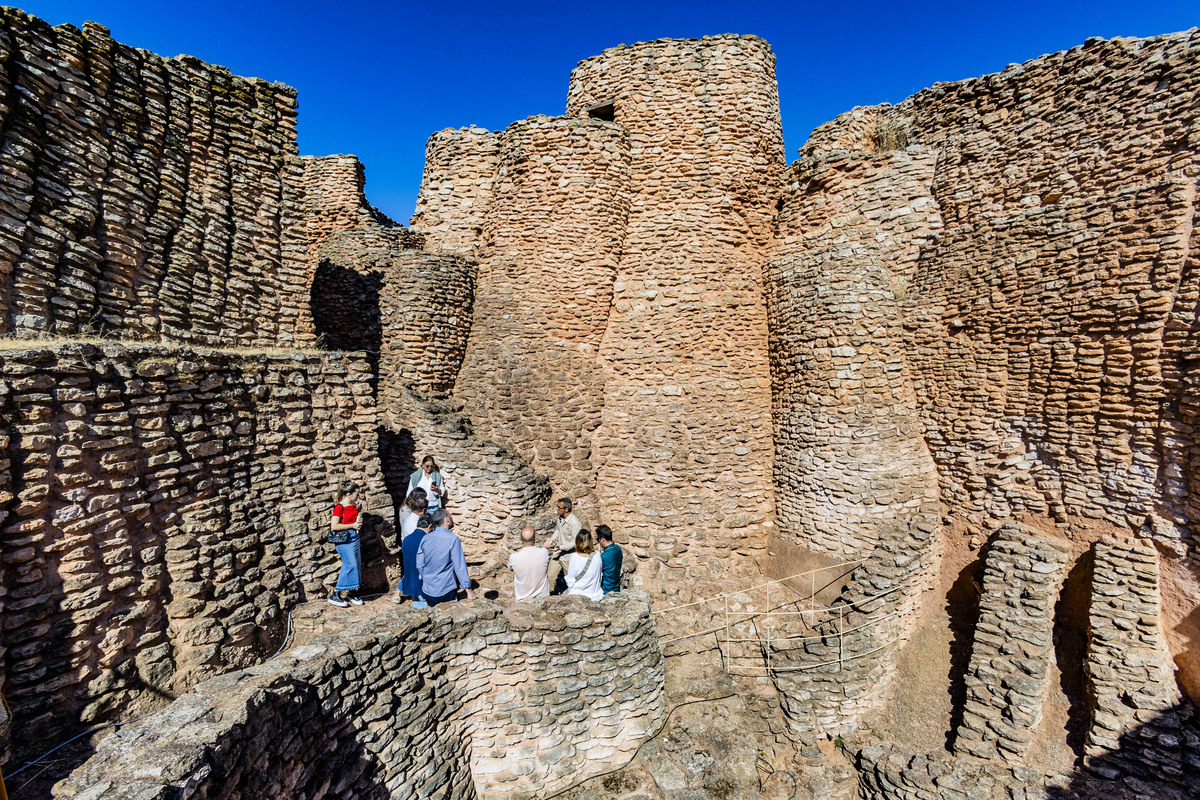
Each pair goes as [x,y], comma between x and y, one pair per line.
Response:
[411,517]
[529,565]
[584,568]
[440,562]
[563,541]
[429,478]
[345,524]
[610,560]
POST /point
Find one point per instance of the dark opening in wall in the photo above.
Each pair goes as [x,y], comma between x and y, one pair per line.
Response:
[345,309]
[1070,647]
[606,111]
[962,605]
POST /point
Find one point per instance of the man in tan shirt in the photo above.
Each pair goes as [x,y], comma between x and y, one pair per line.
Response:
[563,540]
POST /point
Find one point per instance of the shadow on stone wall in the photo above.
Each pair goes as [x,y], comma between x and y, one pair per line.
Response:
[962,607]
[345,309]
[1070,647]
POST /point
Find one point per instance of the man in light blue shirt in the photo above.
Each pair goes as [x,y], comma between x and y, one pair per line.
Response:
[440,562]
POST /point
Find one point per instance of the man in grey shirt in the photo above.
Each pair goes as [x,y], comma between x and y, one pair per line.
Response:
[563,540]
[529,565]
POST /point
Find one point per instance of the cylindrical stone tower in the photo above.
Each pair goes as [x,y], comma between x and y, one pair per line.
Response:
[684,452]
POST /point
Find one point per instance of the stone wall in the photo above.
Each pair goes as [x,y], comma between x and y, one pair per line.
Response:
[1051,302]
[142,194]
[457,702]
[1137,726]
[1010,670]
[684,451]
[457,189]
[163,508]
[851,459]
[532,379]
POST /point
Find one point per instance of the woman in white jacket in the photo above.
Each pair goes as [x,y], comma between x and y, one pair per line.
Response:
[584,569]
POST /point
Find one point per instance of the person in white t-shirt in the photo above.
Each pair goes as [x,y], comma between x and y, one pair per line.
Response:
[429,478]
[584,569]
[410,513]
[529,565]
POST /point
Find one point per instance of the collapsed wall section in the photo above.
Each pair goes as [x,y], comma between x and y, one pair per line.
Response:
[162,510]
[456,702]
[141,194]
[683,452]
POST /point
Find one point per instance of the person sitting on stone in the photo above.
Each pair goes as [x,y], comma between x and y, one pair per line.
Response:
[440,562]
[429,477]
[529,565]
[610,560]
[410,580]
[562,543]
[584,568]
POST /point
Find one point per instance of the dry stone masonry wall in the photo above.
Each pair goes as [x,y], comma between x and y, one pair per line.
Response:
[141,194]
[684,449]
[1137,728]
[1010,670]
[1050,308]
[164,508]
[532,379]
[449,703]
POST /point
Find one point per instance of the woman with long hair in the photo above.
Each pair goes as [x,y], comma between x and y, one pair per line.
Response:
[343,532]
[429,477]
[584,568]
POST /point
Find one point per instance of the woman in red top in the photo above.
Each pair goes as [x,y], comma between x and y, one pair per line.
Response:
[345,517]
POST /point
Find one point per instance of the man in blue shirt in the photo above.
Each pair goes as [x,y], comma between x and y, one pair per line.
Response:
[610,560]
[440,562]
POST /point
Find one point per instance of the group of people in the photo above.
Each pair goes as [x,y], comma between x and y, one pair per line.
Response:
[589,566]
[435,568]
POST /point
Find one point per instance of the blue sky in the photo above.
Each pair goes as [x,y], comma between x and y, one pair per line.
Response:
[376,79]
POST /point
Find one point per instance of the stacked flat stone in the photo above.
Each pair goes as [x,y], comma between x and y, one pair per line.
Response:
[827,684]
[170,506]
[455,702]
[1009,673]
[457,189]
[532,379]
[1136,729]
[887,772]
[1051,301]
[141,194]
[684,447]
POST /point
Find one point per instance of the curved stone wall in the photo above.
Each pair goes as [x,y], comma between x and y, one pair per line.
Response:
[457,189]
[163,508]
[144,194]
[460,701]
[532,379]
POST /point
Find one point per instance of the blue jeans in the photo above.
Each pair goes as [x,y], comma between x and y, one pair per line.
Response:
[449,597]
[351,563]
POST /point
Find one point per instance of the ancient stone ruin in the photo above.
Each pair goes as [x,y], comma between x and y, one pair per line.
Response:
[900,439]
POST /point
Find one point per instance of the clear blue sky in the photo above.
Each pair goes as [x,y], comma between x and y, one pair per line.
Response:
[377,78]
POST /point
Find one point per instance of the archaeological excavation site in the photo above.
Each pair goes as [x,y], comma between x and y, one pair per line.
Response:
[899,439]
